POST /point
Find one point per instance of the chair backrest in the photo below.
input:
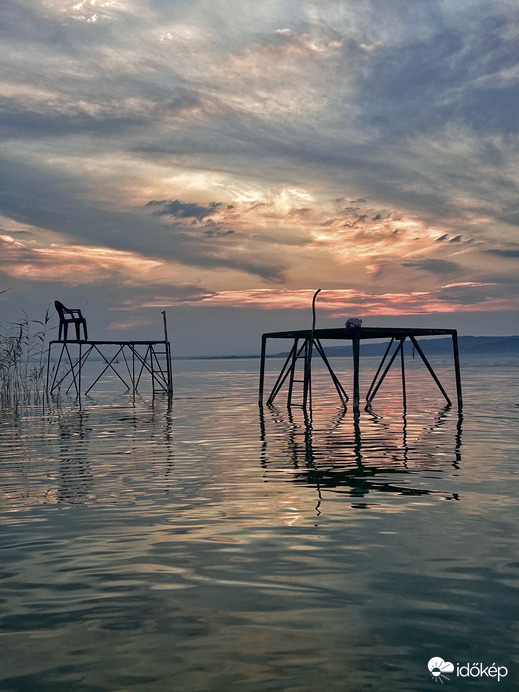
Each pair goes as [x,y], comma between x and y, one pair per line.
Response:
[67,313]
[70,316]
[61,309]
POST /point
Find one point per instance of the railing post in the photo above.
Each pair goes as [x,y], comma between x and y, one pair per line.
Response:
[168,355]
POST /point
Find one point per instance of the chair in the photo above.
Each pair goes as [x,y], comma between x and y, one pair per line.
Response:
[70,316]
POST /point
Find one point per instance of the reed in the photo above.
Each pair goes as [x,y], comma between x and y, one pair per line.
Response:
[22,361]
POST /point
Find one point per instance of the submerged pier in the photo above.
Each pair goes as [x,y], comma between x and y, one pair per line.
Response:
[131,361]
[307,341]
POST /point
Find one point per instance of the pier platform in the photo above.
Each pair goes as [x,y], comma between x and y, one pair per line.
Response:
[130,361]
[306,341]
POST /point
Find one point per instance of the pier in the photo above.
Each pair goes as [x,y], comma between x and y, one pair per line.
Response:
[130,361]
[297,368]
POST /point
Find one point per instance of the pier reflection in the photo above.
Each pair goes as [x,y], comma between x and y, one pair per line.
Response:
[82,456]
[362,454]
[75,480]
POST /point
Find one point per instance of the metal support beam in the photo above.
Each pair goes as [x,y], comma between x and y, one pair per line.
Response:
[383,376]
[430,368]
[150,357]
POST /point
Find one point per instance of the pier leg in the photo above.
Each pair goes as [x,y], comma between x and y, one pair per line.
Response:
[356,367]
[169,368]
[307,377]
[402,364]
[457,370]
[79,371]
[262,369]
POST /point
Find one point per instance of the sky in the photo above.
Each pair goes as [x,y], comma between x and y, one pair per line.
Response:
[221,160]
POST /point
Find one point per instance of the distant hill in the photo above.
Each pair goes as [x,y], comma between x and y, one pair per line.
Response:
[470,345]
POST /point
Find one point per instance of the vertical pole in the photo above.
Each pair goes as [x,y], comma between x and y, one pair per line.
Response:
[152,369]
[313,310]
[307,370]
[457,369]
[402,364]
[165,325]
[168,355]
[262,368]
[79,370]
[356,367]
[309,345]
[133,372]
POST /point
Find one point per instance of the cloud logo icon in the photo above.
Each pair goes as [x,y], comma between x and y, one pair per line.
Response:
[438,667]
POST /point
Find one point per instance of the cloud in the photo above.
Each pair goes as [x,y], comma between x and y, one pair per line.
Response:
[341,303]
[366,147]
[511,254]
[435,266]
[73,264]
[183,210]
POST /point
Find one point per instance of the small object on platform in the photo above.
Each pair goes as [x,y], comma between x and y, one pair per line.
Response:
[353,322]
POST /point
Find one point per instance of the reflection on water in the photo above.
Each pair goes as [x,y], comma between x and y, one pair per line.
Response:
[358,459]
[213,546]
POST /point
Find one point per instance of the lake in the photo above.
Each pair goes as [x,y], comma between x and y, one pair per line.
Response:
[212,546]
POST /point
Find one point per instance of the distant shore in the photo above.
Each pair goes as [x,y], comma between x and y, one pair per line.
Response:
[468,345]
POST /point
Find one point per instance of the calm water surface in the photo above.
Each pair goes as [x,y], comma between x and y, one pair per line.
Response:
[209,547]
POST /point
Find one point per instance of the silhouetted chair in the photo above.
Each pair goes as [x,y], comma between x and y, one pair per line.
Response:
[70,316]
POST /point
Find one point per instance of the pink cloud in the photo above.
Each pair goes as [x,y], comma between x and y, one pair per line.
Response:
[343,302]
[73,264]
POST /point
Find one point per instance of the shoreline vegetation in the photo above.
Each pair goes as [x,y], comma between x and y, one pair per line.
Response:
[23,352]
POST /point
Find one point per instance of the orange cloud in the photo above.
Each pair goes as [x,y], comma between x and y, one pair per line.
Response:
[339,303]
[73,264]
